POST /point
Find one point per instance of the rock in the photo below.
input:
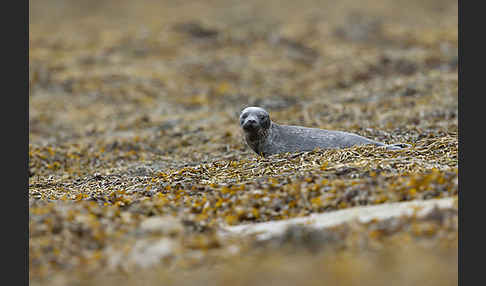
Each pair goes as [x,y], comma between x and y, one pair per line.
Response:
[323,221]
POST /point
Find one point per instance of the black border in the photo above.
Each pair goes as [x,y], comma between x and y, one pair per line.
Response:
[15,139]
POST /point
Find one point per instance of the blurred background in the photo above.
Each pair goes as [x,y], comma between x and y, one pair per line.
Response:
[107,65]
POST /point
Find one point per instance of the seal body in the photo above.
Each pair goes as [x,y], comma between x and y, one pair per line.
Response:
[266,137]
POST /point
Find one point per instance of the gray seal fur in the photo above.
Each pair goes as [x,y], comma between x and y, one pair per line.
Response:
[267,138]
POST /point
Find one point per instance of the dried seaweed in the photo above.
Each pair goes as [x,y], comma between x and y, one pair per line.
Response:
[133,127]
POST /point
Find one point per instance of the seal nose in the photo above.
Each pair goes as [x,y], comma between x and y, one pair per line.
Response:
[249,124]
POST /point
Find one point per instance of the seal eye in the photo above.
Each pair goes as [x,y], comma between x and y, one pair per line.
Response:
[244,115]
[261,117]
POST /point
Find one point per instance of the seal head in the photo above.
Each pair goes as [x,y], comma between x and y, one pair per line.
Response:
[254,118]
[256,123]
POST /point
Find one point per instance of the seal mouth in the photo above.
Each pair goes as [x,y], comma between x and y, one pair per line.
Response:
[250,126]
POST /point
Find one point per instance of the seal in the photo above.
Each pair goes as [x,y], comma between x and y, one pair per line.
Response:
[267,138]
